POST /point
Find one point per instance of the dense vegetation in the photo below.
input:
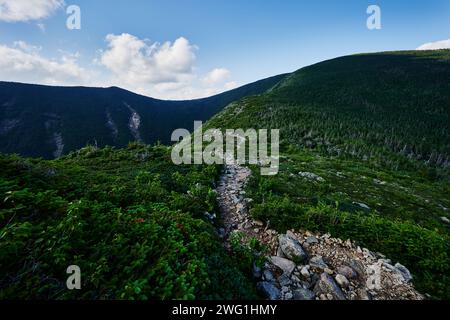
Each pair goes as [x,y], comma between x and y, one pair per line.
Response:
[33,118]
[130,219]
[376,130]
[371,131]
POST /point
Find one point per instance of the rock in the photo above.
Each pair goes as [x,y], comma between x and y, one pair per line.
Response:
[284,264]
[363,294]
[258,223]
[445,220]
[303,294]
[288,296]
[280,253]
[290,234]
[284,280]
[342,281]
[292,249]
[404,272]
[268,276]
[327,285]
[362,205]
[311,176]
[358,267]
[284,289]
[347,272]
[209,216]
[268,290]
[328,270]
[311,240]
[304,272]
[317,262]
[257,271]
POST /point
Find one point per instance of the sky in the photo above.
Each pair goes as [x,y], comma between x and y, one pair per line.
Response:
[185,49]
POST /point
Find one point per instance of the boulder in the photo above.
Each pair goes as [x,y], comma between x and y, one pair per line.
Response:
[327,285]
[292,249]
[268,290]
[347,272]
[268,276]
[317,262]
[287,266]
[404,272]
[342,281]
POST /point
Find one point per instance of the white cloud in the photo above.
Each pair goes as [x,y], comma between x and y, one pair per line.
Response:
[444,44]
[140,62]
[217,75]
[27,10]
[23,63]
[165,71]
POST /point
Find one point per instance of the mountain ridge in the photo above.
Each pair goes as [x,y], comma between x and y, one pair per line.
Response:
[48,121]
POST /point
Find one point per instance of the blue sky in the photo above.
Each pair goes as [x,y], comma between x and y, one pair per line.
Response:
[224,43]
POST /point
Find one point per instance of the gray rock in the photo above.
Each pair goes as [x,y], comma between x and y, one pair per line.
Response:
[292,249]
[303,294]
[257,271]
[280,253]
[362,294]
[290,234]
[304,272]
[317,262]
[362,205]
[404,272]
[284,264]
[268,290]
[342,281]
[358,267]
[284,280]
[348,272]
[445,220]
[312,240]
[327,285]
[268,276]
[311,176]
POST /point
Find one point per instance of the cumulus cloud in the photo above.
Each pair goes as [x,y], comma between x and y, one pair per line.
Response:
[160,70]
[140,62]
[23,63]
[164,70]
[216,75]
[27,10]
[444,44]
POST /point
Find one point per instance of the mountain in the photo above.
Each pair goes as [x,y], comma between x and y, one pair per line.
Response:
[365,155]
[43,121]
[373,105]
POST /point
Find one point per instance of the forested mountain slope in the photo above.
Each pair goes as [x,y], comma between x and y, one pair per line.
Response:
[42,121]
[365,155]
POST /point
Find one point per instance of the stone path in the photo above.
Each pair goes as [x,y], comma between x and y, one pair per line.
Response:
[305,266]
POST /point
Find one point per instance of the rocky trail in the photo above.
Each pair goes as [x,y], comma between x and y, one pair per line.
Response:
[301,265]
